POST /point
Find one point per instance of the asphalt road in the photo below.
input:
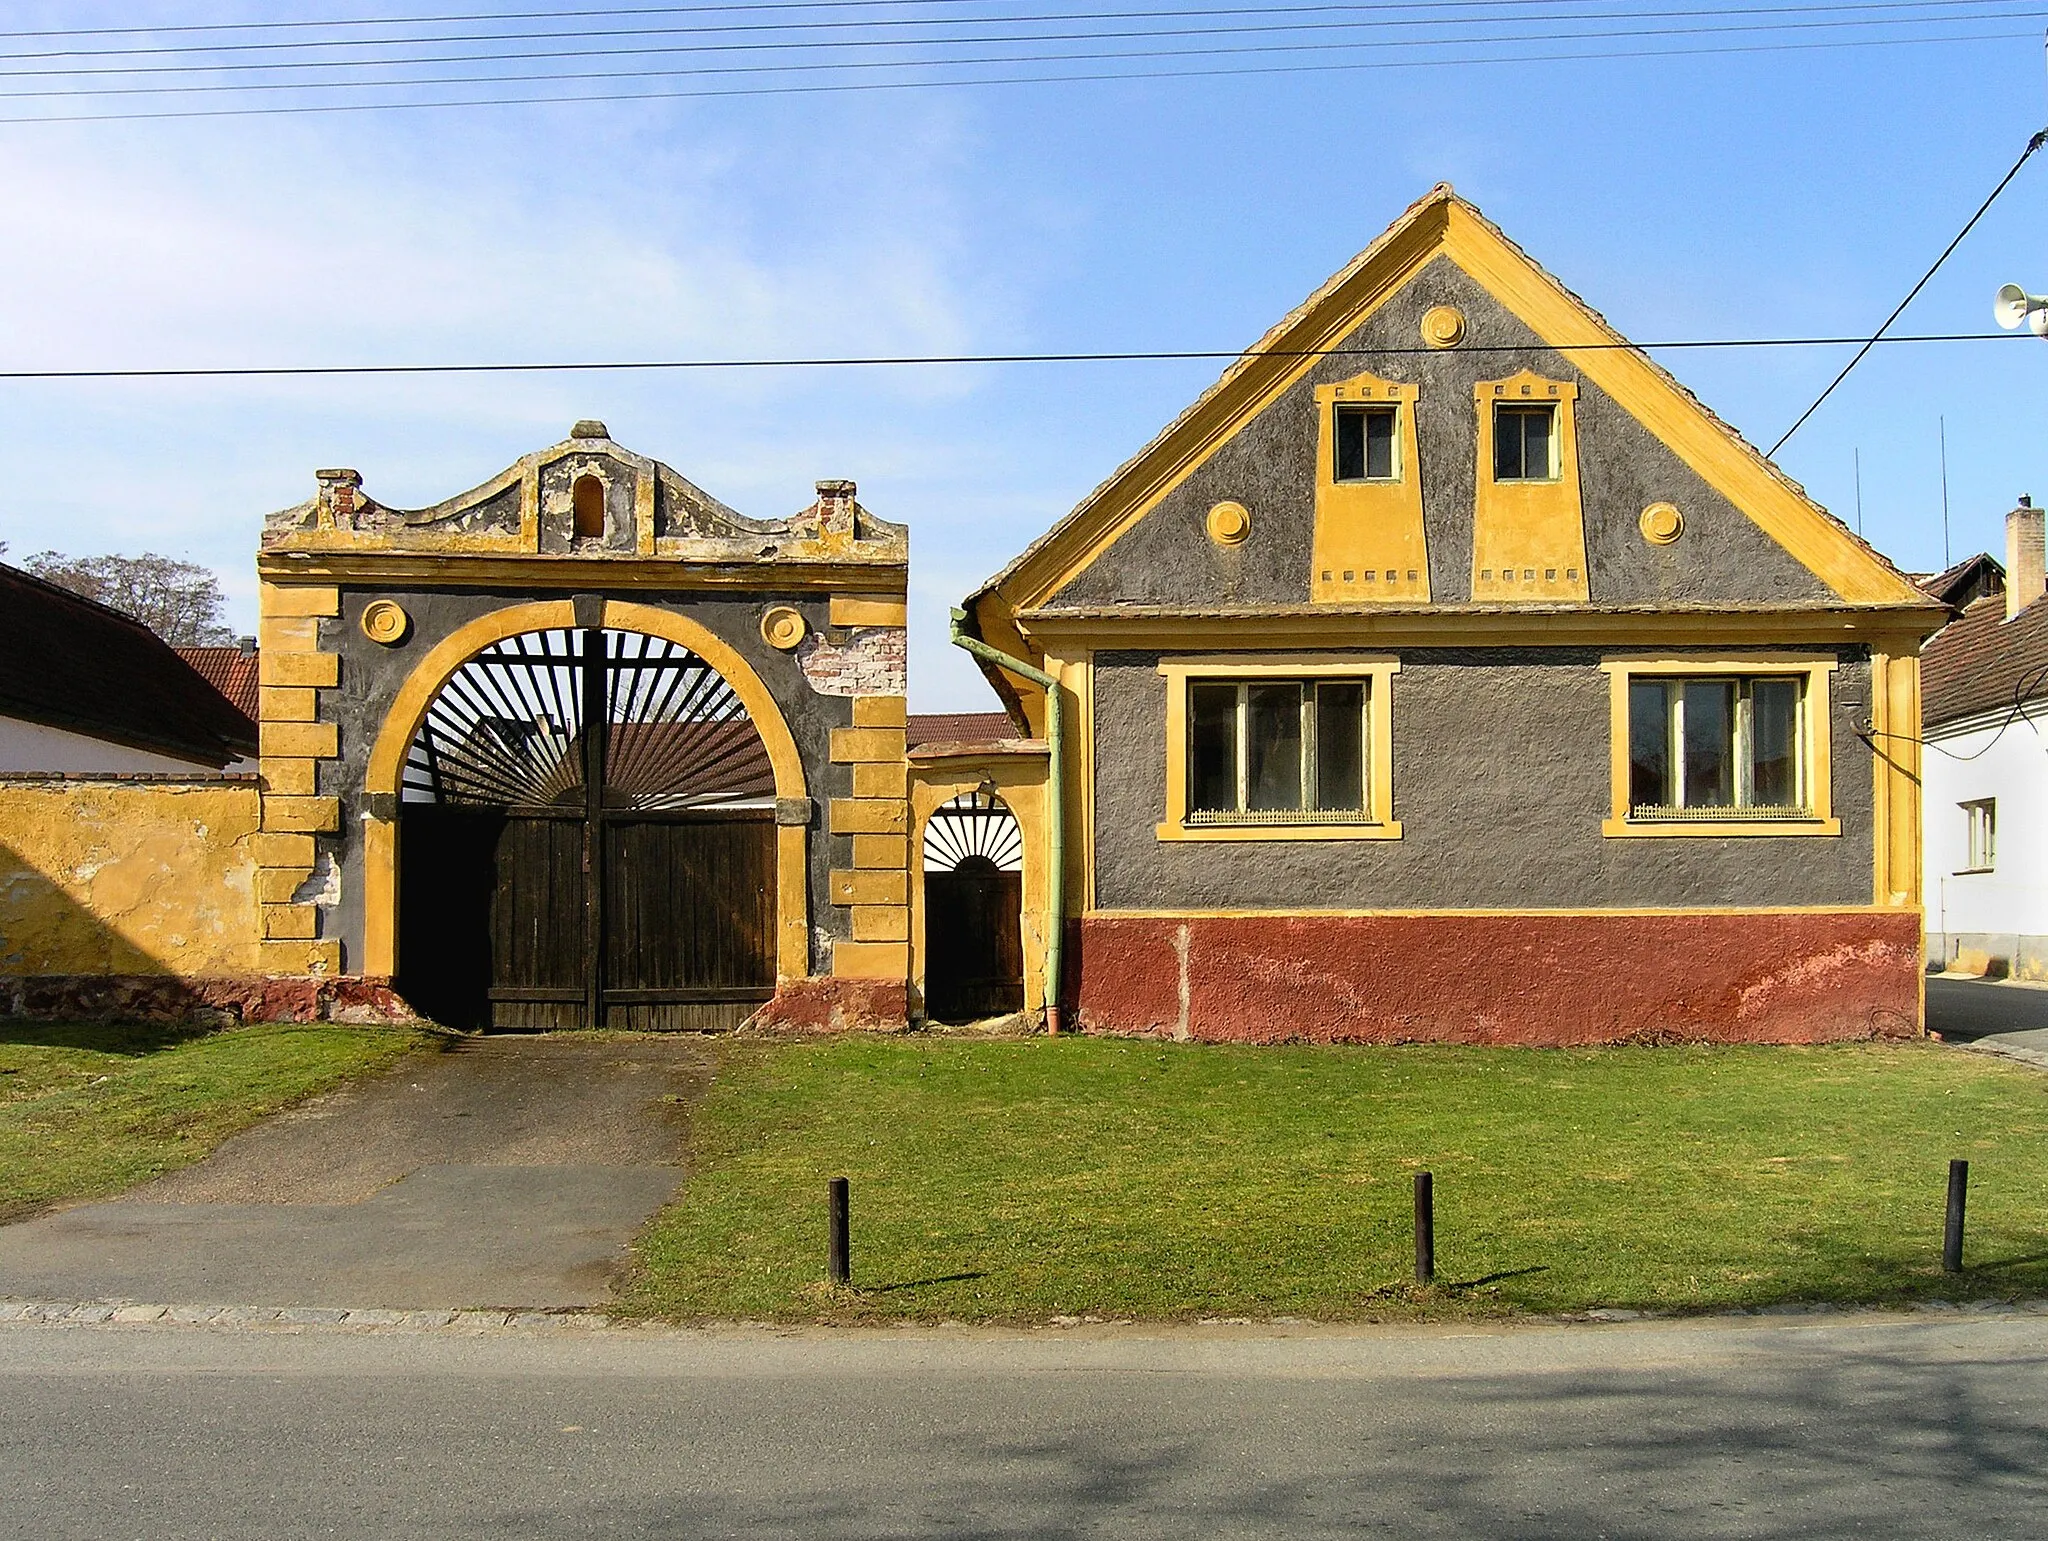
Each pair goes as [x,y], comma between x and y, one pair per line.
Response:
[1969,1010]
[1929,1426]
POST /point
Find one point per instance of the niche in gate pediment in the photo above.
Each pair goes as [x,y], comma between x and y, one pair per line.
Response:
[591,502]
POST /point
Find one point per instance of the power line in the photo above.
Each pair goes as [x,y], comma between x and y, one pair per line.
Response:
[816,66]
[755,7]
[1379,19]
[926,359]
[845,87]
[2003,182]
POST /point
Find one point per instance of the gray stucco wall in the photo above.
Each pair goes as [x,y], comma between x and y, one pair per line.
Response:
[371,675]
[1269,466]
[1501,781]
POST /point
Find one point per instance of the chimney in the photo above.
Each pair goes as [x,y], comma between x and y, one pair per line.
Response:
[2026,575]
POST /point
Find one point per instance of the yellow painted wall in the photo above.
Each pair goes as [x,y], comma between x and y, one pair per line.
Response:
[128,878]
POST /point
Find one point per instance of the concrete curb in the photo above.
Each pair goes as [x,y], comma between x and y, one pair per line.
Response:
[97,1313]
[2032,1058]
[360,1320]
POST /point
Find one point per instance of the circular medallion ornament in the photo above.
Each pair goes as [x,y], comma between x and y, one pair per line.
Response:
[385,621]
[1662,523]
[1444,327]
[782,626]
[1229,524]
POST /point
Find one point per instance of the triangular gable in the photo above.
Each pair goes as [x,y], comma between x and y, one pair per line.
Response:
[1442,224]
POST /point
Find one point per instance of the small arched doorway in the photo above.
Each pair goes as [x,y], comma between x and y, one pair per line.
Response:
[973,909]
[587,838]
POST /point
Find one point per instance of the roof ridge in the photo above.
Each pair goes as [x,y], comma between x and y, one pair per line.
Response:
[74,597]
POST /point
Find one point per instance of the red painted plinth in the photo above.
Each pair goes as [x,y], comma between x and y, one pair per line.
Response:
[834,1006]
[1535,979]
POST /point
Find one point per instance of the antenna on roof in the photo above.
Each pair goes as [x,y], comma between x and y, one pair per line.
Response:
[1859,490]
[1944,493]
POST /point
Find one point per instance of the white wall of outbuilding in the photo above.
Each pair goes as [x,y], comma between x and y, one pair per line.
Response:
[1999,916]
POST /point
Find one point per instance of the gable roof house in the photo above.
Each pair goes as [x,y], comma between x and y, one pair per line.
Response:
[85,689]
[1446,671]
[1985,683]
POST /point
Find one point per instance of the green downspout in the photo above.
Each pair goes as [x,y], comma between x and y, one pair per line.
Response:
[1056,813]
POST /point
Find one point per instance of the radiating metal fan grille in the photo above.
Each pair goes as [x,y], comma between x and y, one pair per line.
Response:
[974,824]
[508,728]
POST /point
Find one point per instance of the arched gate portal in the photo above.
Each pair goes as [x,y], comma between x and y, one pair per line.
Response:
[587,838]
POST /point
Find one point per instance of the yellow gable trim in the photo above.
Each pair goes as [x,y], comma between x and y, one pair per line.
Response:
[1649,395]
[1270,366]
[1441,224]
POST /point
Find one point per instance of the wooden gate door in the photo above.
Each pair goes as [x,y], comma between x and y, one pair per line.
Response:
[973,910]
[587,839]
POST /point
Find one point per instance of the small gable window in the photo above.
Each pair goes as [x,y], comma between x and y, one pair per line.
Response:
[1365,440]
[586,501]
[1525,442]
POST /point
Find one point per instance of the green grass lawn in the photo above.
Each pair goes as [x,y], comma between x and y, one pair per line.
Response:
[88,1108]
[1018,1180]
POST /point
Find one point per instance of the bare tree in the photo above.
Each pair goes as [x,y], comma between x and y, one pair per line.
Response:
[179,601]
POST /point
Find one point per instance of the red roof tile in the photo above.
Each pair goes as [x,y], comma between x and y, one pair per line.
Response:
[1983,661]
[959,728]
[230,670]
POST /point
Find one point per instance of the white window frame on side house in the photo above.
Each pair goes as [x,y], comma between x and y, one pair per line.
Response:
[1811,813]
[1980,835]
[1372,822]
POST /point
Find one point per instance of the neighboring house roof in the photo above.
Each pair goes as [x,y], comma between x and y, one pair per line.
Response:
[68,662]
[1981,661]
[1971,578]
[959,728]
[230,670]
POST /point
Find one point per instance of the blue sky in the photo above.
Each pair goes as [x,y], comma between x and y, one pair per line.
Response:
[1759,194]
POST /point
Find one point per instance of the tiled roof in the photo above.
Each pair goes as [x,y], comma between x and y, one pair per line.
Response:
[230,670]
[67,662]
[1983,661]
[959,728]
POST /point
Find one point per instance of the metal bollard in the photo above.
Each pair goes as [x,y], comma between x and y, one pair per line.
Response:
[841,1246]
[1425,1228]
[1952,1235]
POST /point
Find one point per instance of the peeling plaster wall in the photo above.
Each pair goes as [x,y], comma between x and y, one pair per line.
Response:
[106,878]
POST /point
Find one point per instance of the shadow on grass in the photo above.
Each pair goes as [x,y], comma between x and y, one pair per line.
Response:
[133,1039]
[2013,1262]
[915,1284]
[1495,1278]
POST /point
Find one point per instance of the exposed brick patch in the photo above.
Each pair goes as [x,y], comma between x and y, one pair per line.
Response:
[1539,980]
[835,1006]
[873,661]
[215,1002]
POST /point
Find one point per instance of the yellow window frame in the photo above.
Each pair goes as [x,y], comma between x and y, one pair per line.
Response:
[1815,745]
[1377,670]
